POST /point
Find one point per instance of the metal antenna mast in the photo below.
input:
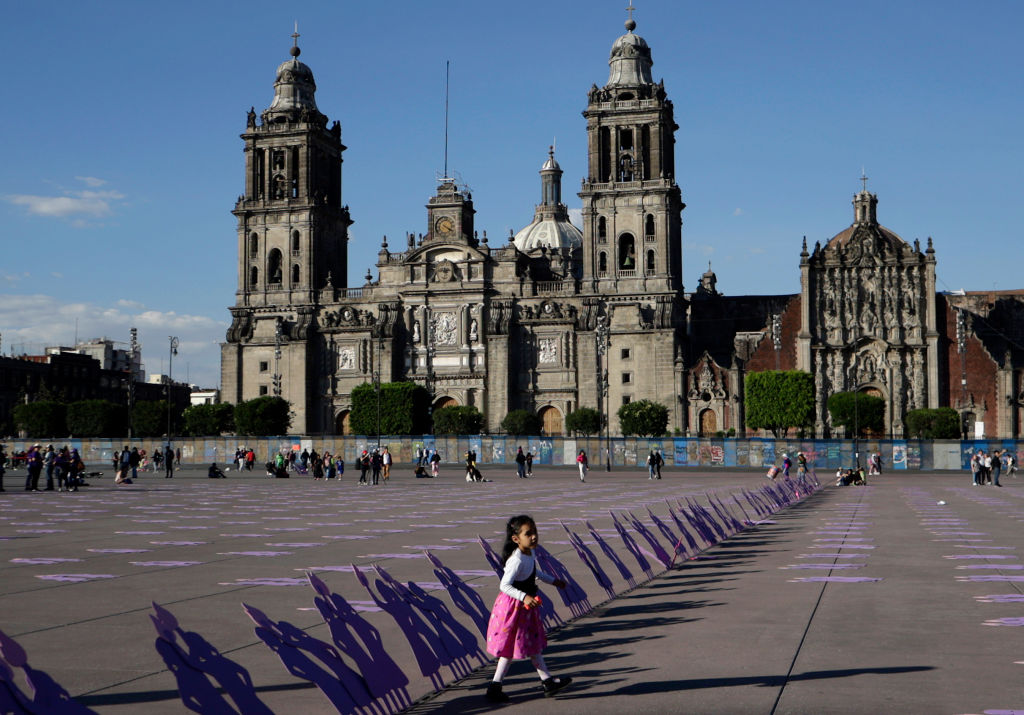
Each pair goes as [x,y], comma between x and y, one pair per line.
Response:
[447,64]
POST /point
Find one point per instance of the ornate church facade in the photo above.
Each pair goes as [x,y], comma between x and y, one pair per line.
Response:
[555,318]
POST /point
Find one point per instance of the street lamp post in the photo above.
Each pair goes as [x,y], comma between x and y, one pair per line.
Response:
[278,336]
[376,382]
[131,382]
[170,371]
[602,334]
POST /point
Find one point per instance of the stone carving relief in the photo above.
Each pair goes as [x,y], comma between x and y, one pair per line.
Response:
[443,327]
[547,351]
[346,359]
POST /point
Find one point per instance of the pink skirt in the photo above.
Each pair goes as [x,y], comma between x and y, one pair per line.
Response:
[515,631]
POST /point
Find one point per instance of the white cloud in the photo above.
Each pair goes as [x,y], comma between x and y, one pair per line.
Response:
[72,205]
[29,323]
[737,212]
[91,181]
[576,216]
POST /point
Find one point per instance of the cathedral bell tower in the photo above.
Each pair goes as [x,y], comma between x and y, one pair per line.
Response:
[632,206]
[292,244]
[292,228]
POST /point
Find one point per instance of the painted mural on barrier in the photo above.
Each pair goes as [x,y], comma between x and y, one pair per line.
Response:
[753,453]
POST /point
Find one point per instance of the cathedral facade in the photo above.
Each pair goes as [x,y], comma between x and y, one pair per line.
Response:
[555,317]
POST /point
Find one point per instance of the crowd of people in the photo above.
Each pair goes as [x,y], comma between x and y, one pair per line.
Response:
[64,468]
[987,466]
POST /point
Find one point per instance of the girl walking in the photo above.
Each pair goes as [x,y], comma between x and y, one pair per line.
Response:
[583,464]
[515,630]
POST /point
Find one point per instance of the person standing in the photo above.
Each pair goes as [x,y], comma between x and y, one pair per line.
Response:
[250,459]
[364,466]
[34,466]
[650,465]
[997,466]
[975,464]
[659,462]
[168,462]
[520,464]
[386,464]
[529,464]
[49,463]
[3,467]
[375,464]
[133,462]
[582,465]
[435,464]
[801,464]
[419,456]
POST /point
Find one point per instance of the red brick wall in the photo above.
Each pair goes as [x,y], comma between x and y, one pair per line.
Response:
[981,370]
[764,356]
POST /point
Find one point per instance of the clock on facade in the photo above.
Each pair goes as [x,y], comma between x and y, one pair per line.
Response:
[444,226]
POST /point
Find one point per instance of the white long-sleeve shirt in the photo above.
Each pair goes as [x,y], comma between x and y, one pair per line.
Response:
[518,568]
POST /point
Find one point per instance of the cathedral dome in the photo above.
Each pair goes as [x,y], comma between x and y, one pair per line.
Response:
[548,232]
[630,61]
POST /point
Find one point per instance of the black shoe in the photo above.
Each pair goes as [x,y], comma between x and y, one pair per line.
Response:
[495,693]
[553,685]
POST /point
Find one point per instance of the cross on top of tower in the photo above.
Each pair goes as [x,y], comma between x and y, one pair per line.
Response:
[630,23]
[295,40]
[863,180]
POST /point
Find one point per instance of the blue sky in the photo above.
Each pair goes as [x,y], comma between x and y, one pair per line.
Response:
[122,159]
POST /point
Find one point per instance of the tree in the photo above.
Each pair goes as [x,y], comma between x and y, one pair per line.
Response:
[97,418]
[779,399]
[857,412]
[521,422]
[585,420]
[266,416]
[41,419]
[149,418]
[939,423]
[202,420]
[458,419]
[643,418]
[404,408]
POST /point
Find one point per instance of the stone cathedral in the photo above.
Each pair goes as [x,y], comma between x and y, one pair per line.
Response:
[555,317]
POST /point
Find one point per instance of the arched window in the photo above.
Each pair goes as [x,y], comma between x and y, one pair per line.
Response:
[649,228]
[295,275]
[650,263]
[254,276]
[274,267]
[295,241]
[627,252]
[602,229]
[254,244]
[602,263]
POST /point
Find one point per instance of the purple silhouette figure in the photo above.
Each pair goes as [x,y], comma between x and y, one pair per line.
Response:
[631,546]
[465,598]
[706,517]
[588,558]
[573,595]
[702,529]
[458,641]
[747,521]
[626,574]
[549,616]
[193,668]
[424,643]
[690,541]
[339,683]
[723,511]
[360,640]
[47,695]
[651,539]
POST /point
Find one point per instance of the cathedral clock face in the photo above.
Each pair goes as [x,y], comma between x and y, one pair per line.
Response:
[444,226]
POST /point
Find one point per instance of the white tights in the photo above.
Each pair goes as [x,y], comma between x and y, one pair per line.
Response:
[538,663]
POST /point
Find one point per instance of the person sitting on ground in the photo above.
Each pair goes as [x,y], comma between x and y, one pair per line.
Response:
[215,473]
[420,472]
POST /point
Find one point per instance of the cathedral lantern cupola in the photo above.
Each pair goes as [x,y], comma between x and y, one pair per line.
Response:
[630,62]
[551,227]
[864,208]
[294,91]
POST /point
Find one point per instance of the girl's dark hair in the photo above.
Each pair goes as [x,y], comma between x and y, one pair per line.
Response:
[511,529]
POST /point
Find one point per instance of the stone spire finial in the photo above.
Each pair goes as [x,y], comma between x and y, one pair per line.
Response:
[630,23]
[295,51]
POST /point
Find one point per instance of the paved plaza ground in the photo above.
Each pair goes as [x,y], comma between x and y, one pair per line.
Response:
[900,597]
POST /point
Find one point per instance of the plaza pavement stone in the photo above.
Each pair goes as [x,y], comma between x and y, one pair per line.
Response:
[859,599]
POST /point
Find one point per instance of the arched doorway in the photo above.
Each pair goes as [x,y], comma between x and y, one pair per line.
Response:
[342,424]
[445,401]
[872,391]
[708,423]
[550,420]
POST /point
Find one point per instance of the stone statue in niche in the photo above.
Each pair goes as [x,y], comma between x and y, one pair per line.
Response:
[707,379]
[833,332]
[868,320]
[474,333]
[416,331]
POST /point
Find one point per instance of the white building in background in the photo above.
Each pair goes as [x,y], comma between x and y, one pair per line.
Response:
[109,357]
